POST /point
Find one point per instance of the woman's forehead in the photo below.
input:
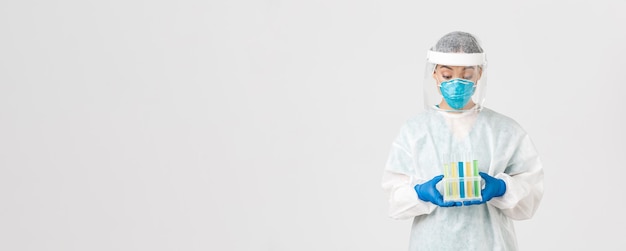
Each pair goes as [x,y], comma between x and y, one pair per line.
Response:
[456,68]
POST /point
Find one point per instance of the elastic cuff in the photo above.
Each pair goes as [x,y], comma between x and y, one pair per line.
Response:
[502,188]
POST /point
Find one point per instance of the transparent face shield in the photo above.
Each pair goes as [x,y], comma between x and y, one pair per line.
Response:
[455,82]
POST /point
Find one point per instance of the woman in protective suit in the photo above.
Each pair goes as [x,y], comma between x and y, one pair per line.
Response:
[461,171]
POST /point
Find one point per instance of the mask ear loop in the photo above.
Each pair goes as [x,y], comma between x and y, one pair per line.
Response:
[438,83]
[437,80]
[434,76]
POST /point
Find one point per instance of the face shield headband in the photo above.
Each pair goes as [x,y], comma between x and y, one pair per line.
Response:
[456,59]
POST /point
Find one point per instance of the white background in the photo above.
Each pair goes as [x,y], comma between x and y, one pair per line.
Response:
[265,125]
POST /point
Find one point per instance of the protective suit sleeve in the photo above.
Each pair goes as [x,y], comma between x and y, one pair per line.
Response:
[402,198]
[399,180]
[524,182]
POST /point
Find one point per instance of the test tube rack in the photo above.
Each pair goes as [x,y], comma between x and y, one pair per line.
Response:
[461,181]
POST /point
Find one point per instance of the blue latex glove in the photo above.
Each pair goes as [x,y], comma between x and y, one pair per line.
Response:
[494,187]
[428,192]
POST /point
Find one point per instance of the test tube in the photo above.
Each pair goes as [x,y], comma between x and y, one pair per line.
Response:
[477,181]
[455,175]
[461,180]
[469,183]
[446,175]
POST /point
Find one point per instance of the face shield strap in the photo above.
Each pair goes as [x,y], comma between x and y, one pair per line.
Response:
[456,59]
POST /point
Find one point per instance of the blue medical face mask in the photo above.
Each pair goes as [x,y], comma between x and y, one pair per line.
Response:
[457,92]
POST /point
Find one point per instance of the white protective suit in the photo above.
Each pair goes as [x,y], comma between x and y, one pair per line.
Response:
[503,150]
